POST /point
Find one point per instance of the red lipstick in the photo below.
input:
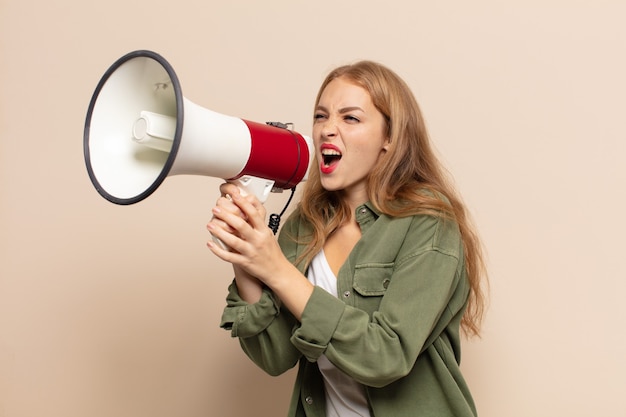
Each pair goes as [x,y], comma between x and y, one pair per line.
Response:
[330,157]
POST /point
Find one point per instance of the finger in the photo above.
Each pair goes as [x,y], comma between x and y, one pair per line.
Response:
[253,211]
[235,224]
[228,188]
[228,242]
[226,203]
[220,223]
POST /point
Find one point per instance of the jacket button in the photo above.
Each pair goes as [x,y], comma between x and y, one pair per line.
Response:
[346,294]
[386,283]
[309,400]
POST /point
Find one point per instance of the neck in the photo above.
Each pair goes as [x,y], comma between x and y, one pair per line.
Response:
[355,198]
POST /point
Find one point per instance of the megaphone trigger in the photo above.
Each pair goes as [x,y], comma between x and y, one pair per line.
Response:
[259,187]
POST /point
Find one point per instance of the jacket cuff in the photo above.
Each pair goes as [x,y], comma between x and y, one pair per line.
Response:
[320,318]
[244,319]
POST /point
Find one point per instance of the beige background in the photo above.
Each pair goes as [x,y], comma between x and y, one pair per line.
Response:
[114,311]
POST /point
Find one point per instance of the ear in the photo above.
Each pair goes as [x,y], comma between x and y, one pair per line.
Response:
[386,144]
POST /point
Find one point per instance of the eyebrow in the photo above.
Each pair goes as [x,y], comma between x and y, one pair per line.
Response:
[342,110]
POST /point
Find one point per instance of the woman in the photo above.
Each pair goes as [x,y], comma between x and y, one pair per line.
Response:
[375,273]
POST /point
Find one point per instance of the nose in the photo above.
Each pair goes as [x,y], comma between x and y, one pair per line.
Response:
[329,128]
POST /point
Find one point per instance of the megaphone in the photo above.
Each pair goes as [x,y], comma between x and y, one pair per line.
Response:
[140,129]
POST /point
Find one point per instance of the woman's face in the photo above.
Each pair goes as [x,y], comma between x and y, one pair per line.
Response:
[349,136]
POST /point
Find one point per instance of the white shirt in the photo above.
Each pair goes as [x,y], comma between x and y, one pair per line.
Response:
[344,396]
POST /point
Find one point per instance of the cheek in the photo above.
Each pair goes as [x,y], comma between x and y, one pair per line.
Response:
[316,134]
[372,147]
[365,157]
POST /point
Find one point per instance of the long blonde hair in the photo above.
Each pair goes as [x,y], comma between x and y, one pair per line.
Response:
[398,180]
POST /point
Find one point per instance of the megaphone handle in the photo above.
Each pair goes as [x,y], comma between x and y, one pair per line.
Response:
[248,184]
[260,187]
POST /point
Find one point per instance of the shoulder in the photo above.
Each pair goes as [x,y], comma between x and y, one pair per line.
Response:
[431,232]
[294,225]
[294,234]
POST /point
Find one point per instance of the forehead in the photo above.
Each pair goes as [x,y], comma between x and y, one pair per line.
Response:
[343,92]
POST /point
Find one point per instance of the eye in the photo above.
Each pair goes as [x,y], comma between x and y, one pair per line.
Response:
[351,119]
[319,116]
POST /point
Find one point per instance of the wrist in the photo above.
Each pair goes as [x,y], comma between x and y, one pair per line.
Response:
[249,287]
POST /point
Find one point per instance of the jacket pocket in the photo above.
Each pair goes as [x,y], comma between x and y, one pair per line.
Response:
[370,283]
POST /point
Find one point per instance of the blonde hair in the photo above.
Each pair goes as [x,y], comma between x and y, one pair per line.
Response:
[406,180]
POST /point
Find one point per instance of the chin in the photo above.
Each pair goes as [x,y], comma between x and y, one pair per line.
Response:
[329,186]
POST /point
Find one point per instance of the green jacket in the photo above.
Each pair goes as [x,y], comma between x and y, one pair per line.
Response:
[394,326]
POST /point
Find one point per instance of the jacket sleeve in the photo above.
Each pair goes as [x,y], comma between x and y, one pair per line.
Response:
[263,329]
[425,293]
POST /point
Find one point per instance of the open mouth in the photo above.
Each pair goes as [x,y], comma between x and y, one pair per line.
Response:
[330,157]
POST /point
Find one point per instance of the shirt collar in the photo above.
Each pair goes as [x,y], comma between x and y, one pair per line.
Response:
[365,215]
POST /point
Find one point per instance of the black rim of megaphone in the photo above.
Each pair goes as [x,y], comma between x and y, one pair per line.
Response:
[179,126]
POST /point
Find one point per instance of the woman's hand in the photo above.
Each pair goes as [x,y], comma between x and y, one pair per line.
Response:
[249,287]
[225,204]
[240,223]
[254,252]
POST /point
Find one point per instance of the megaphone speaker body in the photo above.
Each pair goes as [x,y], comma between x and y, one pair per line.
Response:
[141,129]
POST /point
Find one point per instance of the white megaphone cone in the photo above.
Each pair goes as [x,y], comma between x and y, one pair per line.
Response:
[140,129]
